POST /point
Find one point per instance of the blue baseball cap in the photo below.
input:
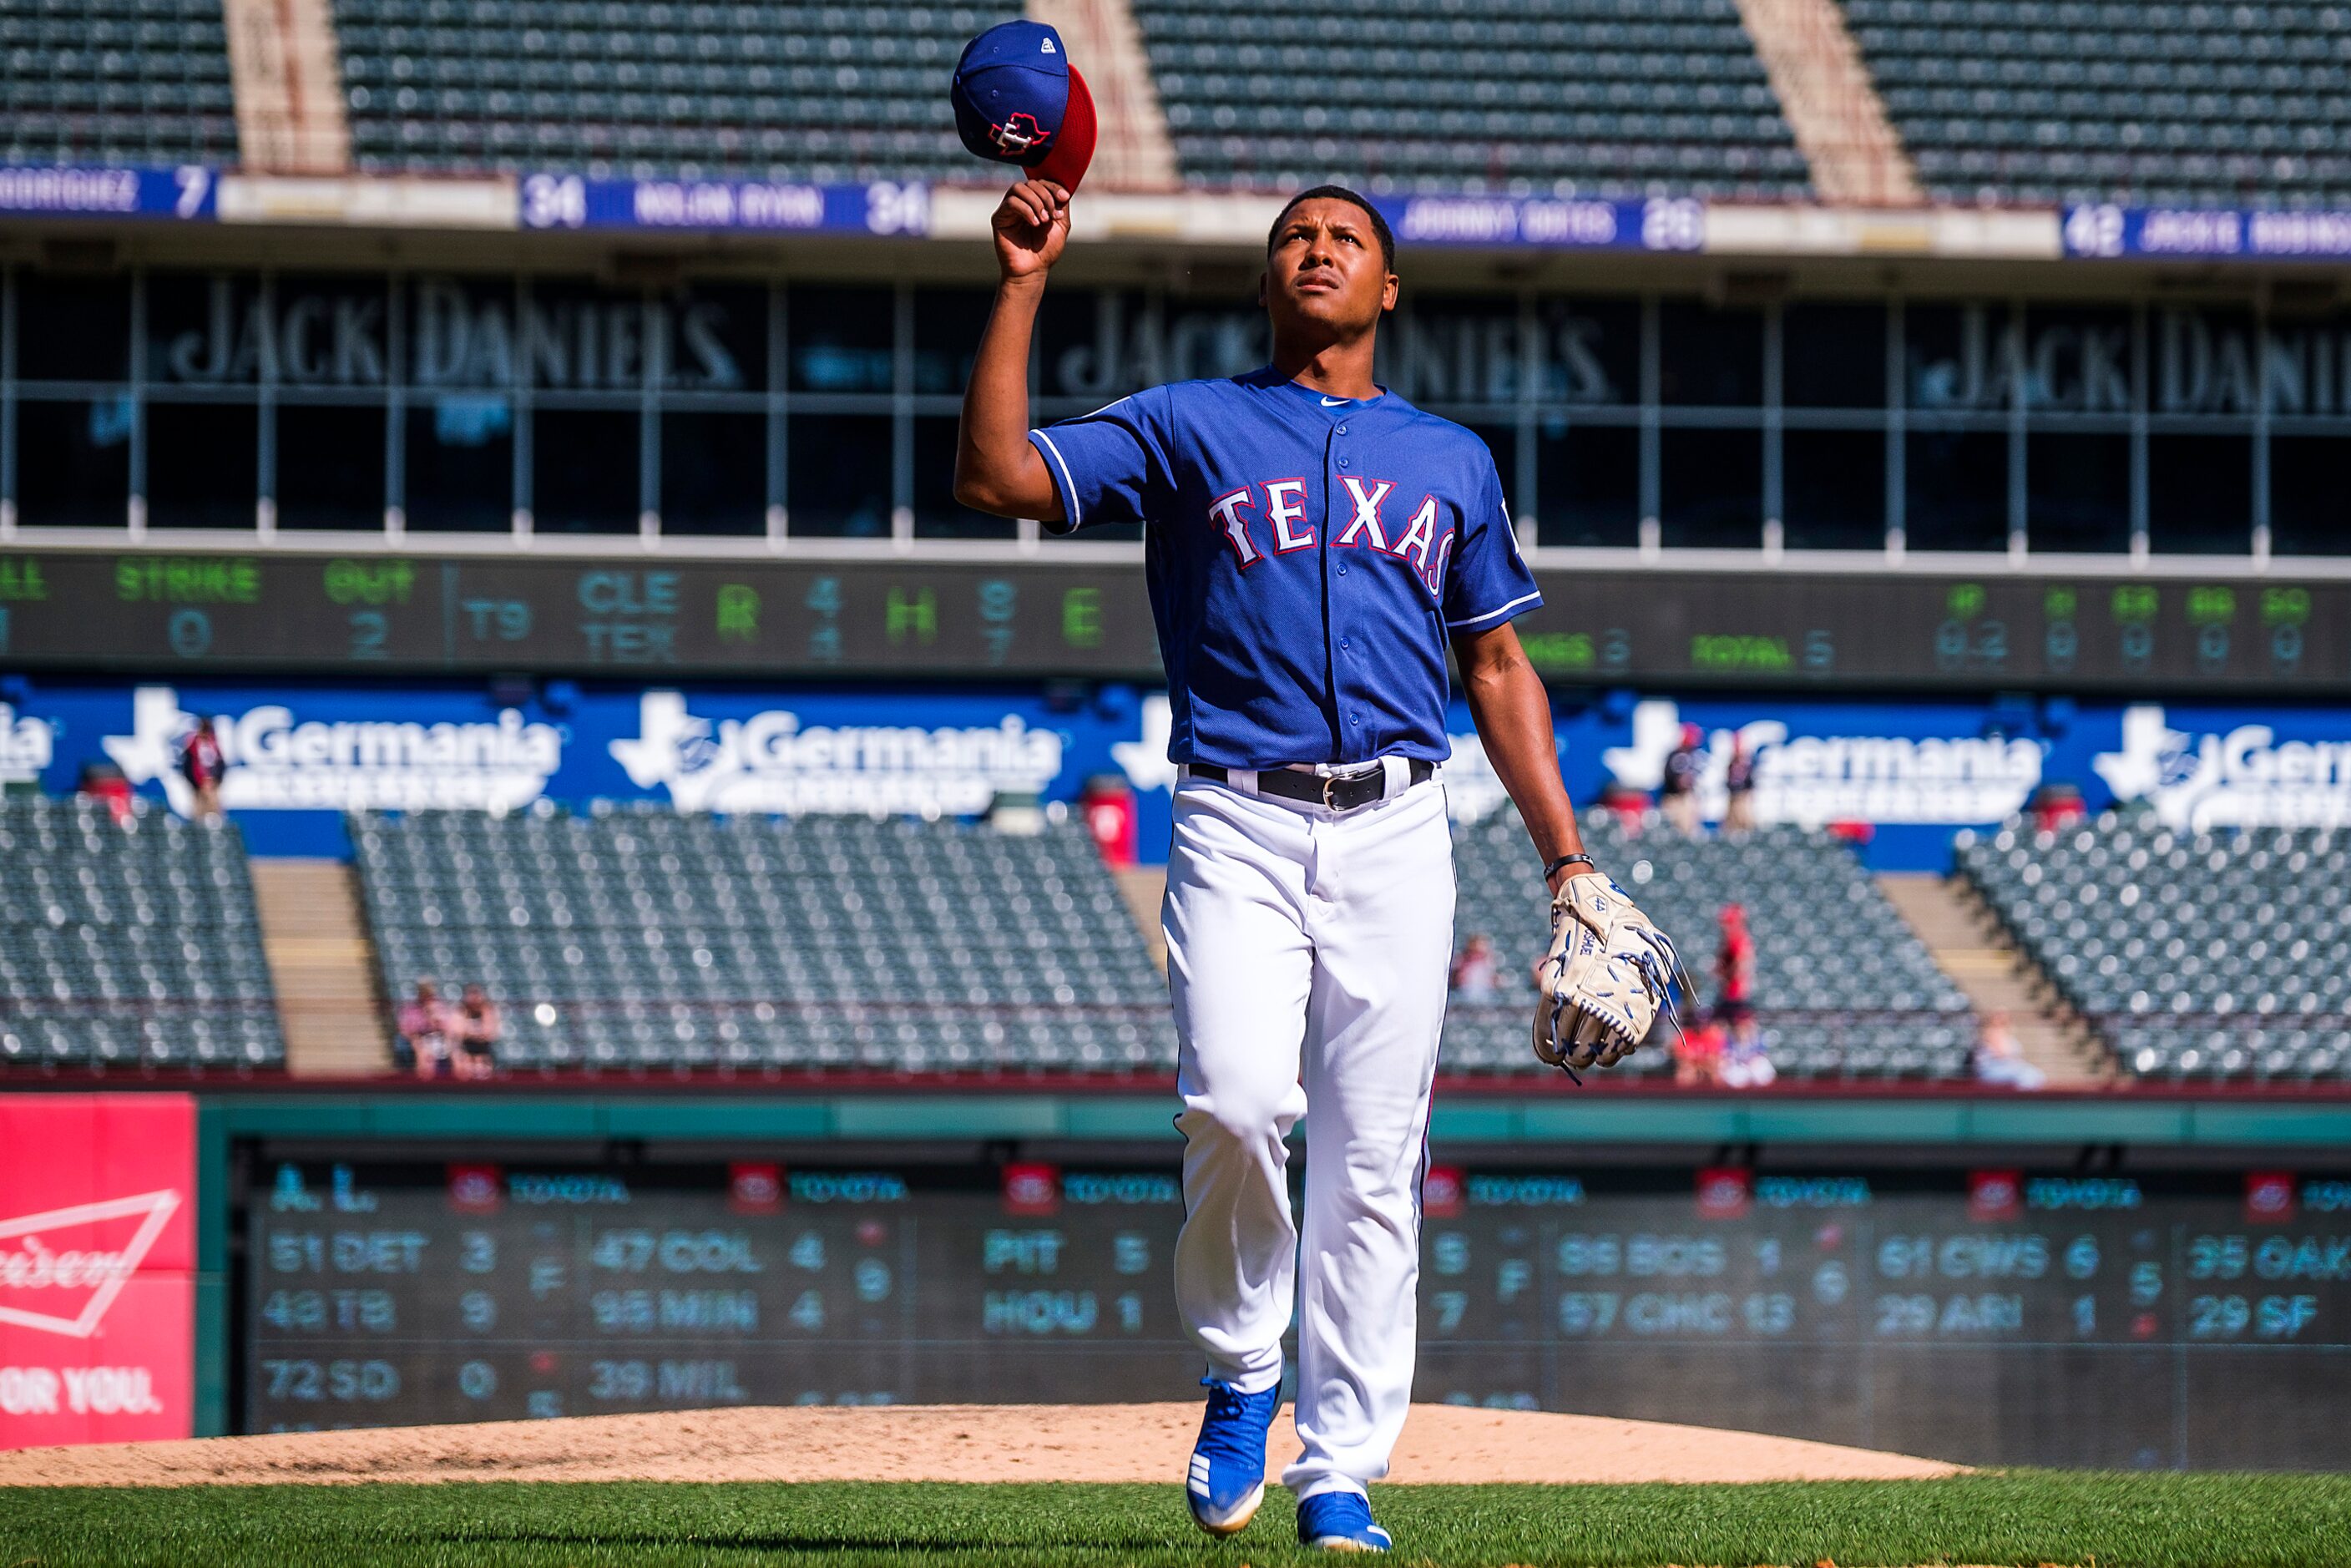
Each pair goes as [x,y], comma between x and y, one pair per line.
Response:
[1018,100]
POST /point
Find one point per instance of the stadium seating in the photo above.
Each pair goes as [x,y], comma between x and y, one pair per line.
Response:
[1844,986]
[644,939]
[2024,101]
[115,81]
[642,89]
[129,945]
[2196,956]
[1514,97]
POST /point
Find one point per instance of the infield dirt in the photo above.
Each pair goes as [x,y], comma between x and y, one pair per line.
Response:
[1442,1443]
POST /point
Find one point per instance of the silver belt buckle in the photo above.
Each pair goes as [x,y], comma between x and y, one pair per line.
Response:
[1330,782]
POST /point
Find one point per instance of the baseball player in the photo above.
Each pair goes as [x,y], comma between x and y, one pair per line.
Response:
[1315,545]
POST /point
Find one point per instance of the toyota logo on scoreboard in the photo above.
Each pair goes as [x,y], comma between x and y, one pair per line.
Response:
[97,1268]
[1725,1192]
[1033,1188]
[1995,1197]
[2269,1197]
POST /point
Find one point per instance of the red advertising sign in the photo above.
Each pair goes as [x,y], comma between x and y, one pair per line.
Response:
[98,1256]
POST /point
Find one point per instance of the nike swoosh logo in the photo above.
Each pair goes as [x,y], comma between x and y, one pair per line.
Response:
[1336,401]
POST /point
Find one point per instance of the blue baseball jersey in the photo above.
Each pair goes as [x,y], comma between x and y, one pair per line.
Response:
[1307,558]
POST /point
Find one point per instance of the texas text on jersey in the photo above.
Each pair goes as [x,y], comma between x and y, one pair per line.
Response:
[1308,558]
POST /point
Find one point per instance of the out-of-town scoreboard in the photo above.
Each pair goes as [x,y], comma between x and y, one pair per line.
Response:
[2006,1315]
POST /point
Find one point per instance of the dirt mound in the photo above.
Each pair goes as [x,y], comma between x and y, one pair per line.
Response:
[946,1443]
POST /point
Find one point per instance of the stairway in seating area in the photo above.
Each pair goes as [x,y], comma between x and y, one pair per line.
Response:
[1143,886]
[322,964]
[1970,946]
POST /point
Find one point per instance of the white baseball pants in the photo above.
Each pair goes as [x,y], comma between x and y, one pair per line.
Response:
[1307,957]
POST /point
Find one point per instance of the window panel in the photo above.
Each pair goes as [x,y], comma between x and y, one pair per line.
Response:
[459,464]
[73,328]
[842,340]
[938,514]
[329,467]
[838,476]
[713,474]
[584,470]
[2077,360]
[1455,350]
[1588,480]
[73,463]
[1709,357]
[459,336]
[947,326]
[1832,489]
[2077,491]
[711,338]
[332,330]
[1955,489]
[580,338]
[1951,357]
[202,465]
[2310,500]
[2200,494]
[1710,491]
[2206,363]
[1588,352]
[1502,440]
[204,330]
[1832,356]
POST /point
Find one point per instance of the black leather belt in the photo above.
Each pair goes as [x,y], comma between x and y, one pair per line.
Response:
[1335,792]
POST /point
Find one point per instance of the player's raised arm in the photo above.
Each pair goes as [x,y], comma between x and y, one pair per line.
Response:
[996,469]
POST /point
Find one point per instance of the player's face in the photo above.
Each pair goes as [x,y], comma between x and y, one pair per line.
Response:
[1325,278]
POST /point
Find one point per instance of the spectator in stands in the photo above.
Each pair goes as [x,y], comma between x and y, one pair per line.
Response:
[1739,813]
[201,764]
[1677,795]
[475,1030]
[105,781]
[421,1036]
[1744,1062]
[1476,975]
[1697,1055]
[2001,1060]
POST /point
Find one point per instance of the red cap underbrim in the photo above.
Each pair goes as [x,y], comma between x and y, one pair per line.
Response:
[1073,144]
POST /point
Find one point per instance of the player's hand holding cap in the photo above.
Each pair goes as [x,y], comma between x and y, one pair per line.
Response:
[1018,100]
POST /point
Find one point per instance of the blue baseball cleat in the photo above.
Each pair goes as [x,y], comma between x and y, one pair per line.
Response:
[1227,1478]
[1340,1521]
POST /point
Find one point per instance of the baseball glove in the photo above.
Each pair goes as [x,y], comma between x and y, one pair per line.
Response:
[1607,974]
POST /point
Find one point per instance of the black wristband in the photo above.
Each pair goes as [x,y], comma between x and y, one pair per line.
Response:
[1579,858]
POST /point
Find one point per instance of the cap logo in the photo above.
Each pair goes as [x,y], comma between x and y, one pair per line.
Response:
[1019,133]
[1045,47]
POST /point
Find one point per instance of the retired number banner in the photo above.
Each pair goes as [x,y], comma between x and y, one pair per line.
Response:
[98,1256]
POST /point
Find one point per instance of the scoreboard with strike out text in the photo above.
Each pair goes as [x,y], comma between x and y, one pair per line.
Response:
[401,614]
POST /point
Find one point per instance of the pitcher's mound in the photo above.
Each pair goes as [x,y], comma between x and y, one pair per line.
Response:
[947,1443]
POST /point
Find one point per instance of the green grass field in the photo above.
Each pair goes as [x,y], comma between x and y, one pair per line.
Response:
[2114,1522]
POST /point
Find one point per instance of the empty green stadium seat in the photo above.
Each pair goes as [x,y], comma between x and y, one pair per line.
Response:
[1843,987]
[129,945]
[2195,955]
[1507,97]
[642,940]
[2098,100]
